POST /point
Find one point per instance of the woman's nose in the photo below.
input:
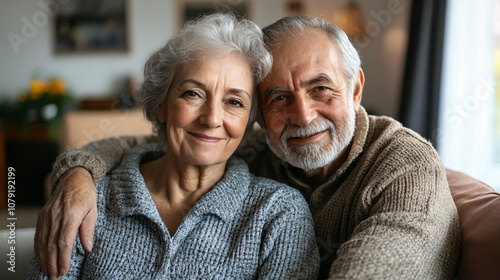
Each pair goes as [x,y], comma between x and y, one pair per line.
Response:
[211,114]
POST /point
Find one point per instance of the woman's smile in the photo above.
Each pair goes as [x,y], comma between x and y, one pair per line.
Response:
[205,138]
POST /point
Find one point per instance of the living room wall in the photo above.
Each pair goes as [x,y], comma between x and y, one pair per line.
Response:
[152,21]
[97,74]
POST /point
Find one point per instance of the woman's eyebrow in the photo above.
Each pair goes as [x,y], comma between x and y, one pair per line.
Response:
[238,90]
[197,83]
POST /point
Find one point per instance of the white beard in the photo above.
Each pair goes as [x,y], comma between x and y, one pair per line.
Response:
[315,155]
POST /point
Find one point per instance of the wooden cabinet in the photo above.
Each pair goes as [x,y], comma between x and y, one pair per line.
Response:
[31,152]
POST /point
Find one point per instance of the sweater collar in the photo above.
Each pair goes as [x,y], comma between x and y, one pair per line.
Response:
[357,144]
[130,196]
[226,197]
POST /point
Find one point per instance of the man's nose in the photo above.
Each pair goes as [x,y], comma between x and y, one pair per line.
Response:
[301,112]
[211,114]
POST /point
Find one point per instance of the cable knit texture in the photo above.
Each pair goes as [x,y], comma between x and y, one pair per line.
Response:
[246,227]
[386,213]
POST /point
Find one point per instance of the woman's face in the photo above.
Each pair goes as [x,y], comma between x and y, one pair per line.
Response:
[207,109]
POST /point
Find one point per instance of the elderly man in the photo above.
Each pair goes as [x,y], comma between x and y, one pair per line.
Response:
[377,191]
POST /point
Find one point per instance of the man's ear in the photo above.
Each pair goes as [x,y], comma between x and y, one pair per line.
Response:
[358,90]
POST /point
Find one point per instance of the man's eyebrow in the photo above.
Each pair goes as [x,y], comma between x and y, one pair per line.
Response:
[273,91]
[320,78]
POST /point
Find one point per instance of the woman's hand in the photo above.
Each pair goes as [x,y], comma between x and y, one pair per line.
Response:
[73,205]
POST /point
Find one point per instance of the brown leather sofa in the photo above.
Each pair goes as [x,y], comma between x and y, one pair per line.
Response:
[478,208]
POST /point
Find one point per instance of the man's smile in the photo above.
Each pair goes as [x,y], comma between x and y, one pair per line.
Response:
[307,139]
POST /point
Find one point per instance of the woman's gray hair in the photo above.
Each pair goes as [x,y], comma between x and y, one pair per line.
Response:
[293,26]
[214,34]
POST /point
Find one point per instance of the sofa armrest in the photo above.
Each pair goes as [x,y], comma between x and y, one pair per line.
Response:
[478,208]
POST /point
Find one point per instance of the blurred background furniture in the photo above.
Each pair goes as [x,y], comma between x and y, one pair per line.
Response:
[81,127]
[18,148]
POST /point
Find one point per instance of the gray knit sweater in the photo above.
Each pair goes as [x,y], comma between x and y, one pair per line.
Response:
[246,227]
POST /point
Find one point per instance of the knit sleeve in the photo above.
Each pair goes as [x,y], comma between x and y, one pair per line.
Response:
[97,157]
[411,231]
[75,271]
[289,249]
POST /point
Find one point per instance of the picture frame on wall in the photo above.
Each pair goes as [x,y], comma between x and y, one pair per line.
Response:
[91,26]
[192,9]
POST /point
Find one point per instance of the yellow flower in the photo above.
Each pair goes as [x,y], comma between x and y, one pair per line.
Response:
[57,87]
[37,89]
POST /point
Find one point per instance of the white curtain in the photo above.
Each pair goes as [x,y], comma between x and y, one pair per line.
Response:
[466,133]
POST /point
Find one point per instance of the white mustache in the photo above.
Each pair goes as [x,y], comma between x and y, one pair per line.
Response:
[314,127]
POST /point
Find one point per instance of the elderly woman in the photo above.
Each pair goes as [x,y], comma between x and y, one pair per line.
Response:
[187,209]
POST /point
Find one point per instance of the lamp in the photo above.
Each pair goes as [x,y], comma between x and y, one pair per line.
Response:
[351,19]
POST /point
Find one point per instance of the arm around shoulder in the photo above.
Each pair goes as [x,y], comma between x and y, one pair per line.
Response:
[97,157]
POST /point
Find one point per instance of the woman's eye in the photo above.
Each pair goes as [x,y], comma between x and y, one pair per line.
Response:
[235,103]
[190,94]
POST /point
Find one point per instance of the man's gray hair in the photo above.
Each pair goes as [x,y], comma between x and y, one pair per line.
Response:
[215,34]
[293,26]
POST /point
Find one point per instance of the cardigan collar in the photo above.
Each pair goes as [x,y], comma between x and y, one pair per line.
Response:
[128,194]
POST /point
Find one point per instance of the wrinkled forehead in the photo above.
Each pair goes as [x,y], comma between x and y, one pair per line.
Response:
[303,46]
[303,56]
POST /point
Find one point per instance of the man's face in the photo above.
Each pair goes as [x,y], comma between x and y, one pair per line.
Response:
[308,113]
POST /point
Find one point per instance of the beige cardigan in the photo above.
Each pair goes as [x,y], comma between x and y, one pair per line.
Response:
[386,213]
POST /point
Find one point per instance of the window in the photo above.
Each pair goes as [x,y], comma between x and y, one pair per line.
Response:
[496,34]
[468,135]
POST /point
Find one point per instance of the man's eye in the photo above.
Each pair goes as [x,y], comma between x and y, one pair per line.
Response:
[320,88]
[279,98]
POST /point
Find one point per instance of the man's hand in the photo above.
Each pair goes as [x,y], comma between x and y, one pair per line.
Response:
[73,205]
